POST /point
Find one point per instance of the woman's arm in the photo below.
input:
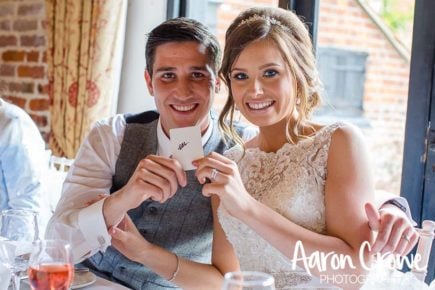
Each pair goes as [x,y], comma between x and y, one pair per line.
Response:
[223,255]
[348,188]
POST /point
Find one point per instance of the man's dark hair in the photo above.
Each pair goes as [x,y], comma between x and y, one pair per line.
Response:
[180,30]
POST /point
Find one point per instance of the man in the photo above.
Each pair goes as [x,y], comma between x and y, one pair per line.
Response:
[23,163]
[129,157]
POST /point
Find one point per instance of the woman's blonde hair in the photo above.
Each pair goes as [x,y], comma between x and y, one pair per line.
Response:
[291,37]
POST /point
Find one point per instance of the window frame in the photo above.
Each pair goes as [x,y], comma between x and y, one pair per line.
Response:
[418,174]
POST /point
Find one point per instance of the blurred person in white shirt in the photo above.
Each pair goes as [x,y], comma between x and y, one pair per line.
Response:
[23,161]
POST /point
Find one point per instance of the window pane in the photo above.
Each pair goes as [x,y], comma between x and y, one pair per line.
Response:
[342,72]
[363,58]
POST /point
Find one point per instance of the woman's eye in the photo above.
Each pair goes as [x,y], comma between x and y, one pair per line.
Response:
[240,76]
[270,73]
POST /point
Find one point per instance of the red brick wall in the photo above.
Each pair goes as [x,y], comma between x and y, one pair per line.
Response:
[22,59]
[344,23]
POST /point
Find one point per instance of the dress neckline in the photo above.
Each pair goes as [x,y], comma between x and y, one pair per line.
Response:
[257,150]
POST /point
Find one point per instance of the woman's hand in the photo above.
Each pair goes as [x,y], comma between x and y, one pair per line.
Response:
[396,234]
[127,240]
[225,182]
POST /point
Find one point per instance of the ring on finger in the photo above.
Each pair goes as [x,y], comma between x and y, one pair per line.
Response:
[213,174]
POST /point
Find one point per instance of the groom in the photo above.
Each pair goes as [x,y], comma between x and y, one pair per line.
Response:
[124,166]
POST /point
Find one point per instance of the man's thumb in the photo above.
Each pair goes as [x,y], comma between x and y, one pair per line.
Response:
[373,216]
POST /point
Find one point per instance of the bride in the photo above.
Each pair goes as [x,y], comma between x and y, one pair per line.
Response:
[299,181]
[290,201]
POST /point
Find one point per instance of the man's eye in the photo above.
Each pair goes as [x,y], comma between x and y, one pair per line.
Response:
[198,75]
[168,75]
[240,76]
[270,73]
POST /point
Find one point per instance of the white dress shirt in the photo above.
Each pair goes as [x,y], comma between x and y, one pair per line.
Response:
[23,163]
[78,218]
[23,160]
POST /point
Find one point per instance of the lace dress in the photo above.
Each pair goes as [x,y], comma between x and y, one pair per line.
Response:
[290,181]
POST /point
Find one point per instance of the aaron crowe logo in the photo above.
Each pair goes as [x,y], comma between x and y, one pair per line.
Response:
[324,262]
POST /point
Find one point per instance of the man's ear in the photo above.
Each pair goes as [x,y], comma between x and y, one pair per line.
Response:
[217,86]
[149,82]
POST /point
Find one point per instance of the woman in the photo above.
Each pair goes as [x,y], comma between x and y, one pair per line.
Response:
[299,181]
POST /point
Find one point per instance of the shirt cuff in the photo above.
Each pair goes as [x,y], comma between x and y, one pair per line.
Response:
[405,207]
[93,227]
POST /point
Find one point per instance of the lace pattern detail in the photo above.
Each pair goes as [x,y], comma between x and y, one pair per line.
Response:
[290,181]
[286,280]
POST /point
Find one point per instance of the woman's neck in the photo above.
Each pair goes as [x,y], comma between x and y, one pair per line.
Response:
[272,138]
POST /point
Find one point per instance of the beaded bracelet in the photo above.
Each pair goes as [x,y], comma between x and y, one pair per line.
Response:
[176,269]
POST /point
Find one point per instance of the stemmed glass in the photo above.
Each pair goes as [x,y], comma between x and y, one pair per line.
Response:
[51,265]
[18,230]
[248,280]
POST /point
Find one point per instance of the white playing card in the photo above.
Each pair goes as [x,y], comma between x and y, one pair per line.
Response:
[186,145]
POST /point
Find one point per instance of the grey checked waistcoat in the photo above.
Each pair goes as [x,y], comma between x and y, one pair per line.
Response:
[182,225]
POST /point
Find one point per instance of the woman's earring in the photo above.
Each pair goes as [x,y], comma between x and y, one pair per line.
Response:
[298,101]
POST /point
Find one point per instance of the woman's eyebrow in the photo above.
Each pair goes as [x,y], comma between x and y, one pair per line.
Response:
[268,65]
[260,67]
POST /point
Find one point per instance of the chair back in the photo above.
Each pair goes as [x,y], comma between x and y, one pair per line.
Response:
[57,172]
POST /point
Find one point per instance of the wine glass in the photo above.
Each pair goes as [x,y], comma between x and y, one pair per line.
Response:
[51,265]
[248,280]
[18,230]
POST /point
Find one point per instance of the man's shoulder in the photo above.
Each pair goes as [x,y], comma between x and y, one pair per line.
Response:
[14,118]
[118,122]
[11,112]
[141,118]
[245,130]
[240,127]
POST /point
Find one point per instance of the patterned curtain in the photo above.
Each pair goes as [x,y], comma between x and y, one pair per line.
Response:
[84,41]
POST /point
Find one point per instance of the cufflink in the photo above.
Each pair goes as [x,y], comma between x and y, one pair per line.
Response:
[101,240]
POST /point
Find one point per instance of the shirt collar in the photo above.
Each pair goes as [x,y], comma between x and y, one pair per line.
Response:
[164,145]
